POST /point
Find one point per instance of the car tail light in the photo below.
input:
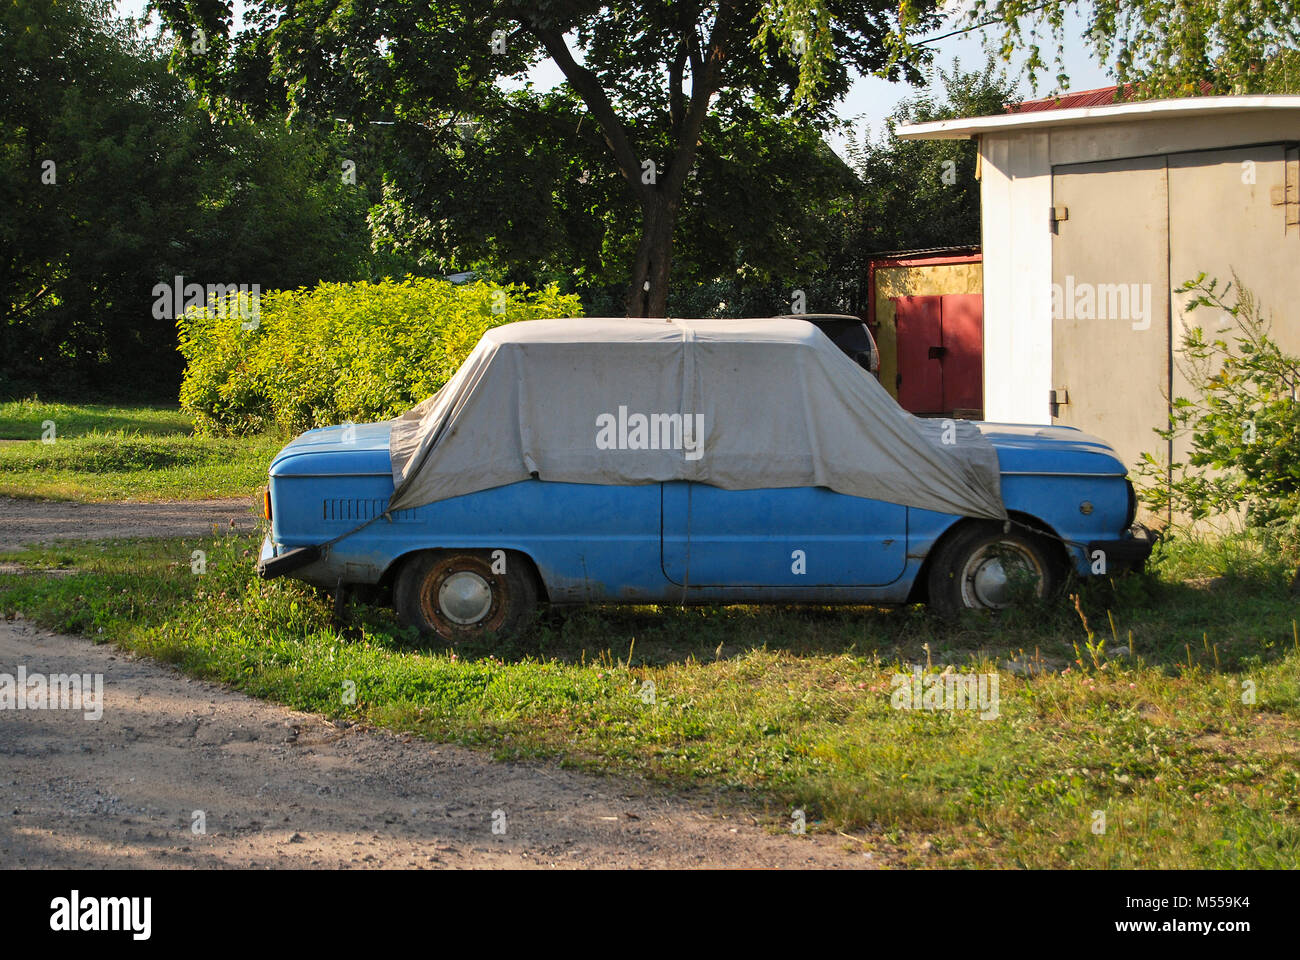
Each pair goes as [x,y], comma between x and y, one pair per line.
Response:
[266,502]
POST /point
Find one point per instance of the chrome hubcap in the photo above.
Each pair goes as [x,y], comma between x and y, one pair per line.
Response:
[988,580]
[990,583]
[465,597]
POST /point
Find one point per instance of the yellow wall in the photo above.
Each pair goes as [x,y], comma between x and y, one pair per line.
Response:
[948,278]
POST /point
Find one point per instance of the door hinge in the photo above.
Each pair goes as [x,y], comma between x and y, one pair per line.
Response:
[1058,398]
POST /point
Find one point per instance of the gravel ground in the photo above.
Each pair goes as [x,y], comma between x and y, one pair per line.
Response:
[24,522]
[279,788]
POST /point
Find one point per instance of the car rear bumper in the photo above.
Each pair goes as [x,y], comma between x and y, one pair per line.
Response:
[272,562]
[1123,555]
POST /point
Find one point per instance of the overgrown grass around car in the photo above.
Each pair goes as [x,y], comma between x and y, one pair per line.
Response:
[1181,752]
[90,452]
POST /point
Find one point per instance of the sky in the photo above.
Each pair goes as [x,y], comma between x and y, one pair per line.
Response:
[871,99]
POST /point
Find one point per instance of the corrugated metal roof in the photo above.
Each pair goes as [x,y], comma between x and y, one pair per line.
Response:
[1087,98]
[1084,98]
[924,252]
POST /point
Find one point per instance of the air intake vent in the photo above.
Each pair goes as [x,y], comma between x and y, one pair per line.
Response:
[360,510]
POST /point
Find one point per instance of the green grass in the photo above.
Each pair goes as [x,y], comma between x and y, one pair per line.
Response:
[25,419]
[778,708]
[116,453]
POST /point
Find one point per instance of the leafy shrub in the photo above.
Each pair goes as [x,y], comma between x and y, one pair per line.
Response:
[1243,428]
[339,351]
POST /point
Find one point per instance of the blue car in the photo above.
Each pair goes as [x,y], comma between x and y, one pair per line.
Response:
[479,563]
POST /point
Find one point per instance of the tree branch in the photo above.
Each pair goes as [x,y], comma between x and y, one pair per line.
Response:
[19,311]
[704,84]
[675,97]
[594,96]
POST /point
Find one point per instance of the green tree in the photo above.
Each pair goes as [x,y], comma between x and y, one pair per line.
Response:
[924,193]
[113,180]
[889,194]
[1164,47]
[657,84]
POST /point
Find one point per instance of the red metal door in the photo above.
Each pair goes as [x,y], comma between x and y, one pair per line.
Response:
[941,354]
[919,326]
[962,321]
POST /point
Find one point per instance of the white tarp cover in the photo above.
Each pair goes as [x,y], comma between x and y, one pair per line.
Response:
[739,404]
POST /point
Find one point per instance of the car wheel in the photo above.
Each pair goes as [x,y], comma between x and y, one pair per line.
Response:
[464,595]
[982,568]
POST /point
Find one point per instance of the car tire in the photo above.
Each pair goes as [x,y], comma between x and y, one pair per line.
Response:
[981,567]
[464,594]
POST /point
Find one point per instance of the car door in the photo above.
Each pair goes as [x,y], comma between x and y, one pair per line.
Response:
[779,538]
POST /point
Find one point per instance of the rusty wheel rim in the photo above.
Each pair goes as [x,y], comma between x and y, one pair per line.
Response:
[463,596]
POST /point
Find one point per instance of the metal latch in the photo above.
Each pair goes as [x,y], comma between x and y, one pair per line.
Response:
[1058,398]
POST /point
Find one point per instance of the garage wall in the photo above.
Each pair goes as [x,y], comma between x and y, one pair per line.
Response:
[1143,138]
[1221,224]
[1016,200]
[1016,194]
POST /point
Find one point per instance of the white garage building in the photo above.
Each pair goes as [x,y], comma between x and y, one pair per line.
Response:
[1093,216]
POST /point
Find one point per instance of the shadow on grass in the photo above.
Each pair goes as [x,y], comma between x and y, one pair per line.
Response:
[1175,618]
[1225,623]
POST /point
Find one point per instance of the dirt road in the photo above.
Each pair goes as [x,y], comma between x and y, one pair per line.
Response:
[277,788]
[24,522]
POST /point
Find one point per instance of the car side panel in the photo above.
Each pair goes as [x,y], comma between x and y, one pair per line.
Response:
[786,538]
[589,542]
[595,543]
[1060,502]
[1053,500]
[896,592]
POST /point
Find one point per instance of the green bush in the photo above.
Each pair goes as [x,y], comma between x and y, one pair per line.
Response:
[1243,427]
[340,351]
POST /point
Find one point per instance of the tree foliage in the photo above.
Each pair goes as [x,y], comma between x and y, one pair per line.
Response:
[113,180]
[649,89]
[1242,426]
[890,194]
[340,351]
[1163,47]
[924,193]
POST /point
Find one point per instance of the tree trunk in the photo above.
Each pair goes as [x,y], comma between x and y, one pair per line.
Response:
[647,294]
